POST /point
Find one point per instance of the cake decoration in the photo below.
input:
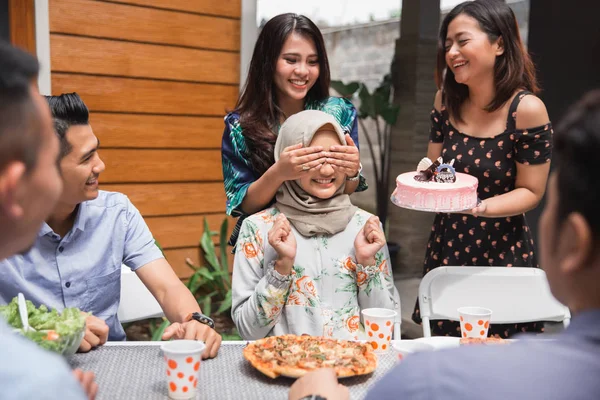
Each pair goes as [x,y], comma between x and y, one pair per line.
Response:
[445,173]
[427,174]
[424,164]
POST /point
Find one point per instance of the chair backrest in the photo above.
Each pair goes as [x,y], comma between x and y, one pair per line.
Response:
[513,294]
[136,301]
[398,319]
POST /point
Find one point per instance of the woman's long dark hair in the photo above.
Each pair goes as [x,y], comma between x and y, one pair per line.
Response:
[257,105]
[512,70]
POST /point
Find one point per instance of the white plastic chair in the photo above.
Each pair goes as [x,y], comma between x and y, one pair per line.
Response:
[513,294]
[136,300]
[398,320]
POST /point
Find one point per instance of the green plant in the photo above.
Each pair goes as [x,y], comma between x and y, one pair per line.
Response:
[377,106]
[211,284]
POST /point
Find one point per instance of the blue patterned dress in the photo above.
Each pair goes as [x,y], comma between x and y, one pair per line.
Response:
[238,173]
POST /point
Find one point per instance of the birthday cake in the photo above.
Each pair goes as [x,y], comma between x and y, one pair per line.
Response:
[436,187]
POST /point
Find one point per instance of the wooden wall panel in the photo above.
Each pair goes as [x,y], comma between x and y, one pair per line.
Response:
[156,131]
[158,77]
[21,16]
[147,96]
[161,165]
[111,57]
[185,231]
[173,198]
[228,8]
[142,24]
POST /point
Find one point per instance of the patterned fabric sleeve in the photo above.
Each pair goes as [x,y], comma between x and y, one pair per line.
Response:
[259,293]
[436,135]
[534,146]
[238,174]
[375,283]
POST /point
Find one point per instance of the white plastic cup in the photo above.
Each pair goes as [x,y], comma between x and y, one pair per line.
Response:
[182,360]
[474,321]
[379,327]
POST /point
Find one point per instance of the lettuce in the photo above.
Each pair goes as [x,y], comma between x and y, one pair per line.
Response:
[66,324]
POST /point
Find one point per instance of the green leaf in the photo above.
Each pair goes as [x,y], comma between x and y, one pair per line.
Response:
[231,337]
[345,90]
[390,114]
[367,103]
[195,283]
[158,333]
[209,247]
[204,272]
[206,305]
[223,245]
[188,262]
[192,282]
[225,304]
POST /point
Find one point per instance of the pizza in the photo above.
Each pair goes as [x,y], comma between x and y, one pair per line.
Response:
[489,340]
[294,356]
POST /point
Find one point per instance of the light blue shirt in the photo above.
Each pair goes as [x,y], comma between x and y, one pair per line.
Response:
[567,368]
[29,372]
[83,269]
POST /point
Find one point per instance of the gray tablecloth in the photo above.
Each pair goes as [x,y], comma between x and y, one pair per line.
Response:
[138,372]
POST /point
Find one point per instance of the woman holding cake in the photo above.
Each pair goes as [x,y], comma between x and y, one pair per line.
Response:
[289,72]
[313,261]
[487,119]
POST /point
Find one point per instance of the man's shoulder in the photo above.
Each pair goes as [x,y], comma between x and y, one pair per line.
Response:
[32,372]
[527,369]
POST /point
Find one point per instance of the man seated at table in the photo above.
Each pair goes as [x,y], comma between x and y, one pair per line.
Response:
[565,368]
[29,187]
[76,259]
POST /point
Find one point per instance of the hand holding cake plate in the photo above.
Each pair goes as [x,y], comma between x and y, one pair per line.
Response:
[436,187]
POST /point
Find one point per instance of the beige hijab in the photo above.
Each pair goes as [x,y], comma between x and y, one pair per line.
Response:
[311,215]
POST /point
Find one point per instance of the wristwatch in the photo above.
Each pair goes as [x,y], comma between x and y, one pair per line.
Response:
[313,397]
[203,319]
[357,176]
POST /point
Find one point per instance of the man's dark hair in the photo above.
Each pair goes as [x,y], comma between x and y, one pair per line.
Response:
[67,110]
[577,146]
[20,122]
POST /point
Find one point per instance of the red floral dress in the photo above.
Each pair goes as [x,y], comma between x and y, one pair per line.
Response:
[464,240]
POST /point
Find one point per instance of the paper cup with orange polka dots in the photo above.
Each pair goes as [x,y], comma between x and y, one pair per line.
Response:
[379,326]
[182,358]
[474,321]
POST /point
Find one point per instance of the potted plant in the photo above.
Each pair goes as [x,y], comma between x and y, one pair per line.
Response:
[379,107]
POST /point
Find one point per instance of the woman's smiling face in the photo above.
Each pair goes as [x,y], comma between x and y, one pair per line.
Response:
[326,180]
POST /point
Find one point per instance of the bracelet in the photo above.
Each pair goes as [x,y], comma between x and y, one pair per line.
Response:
[357,176]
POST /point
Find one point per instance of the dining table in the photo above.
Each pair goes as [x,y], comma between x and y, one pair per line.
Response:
[136,370]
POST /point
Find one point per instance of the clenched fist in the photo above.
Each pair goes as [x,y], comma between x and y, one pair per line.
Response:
[369,241]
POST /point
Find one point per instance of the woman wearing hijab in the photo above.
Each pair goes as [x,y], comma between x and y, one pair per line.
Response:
[310,263]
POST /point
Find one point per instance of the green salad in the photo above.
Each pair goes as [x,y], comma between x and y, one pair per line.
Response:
[50,325]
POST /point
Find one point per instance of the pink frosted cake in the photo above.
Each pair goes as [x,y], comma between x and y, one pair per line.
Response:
[435,187]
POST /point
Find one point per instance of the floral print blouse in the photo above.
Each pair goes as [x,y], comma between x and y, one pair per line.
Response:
[325,292]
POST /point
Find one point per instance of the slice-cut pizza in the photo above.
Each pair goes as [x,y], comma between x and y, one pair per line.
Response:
[293,356]
[489,340]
